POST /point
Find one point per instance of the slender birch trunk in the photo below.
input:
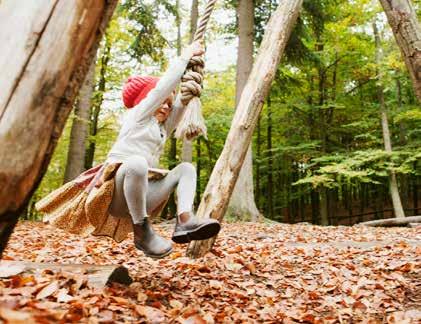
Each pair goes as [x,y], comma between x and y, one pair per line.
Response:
[393,184]
[270,170]
[242,204]
[75,164]
[171,209]
[257,165]
[97,103]
[187,150]
[198,170]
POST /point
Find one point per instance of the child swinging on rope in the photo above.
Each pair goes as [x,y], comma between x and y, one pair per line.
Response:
[117,196]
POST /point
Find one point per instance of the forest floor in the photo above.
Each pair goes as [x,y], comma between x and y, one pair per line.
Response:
[255,273]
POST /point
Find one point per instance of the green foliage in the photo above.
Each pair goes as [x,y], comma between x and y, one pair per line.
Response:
[324,117]
[410,115]
[326,130]
[367,166]
[147,39]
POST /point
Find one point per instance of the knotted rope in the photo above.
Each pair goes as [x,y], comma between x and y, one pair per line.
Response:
[192,124]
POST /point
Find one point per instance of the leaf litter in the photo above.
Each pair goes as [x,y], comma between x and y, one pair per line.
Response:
[255,273]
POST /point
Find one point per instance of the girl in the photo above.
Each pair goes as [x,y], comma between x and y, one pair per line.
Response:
[152,117]
[117,196]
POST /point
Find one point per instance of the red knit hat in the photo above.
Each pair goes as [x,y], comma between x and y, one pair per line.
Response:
[136,89]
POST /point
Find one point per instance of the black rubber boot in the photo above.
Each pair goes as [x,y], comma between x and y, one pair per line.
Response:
[194,229]
[146,240]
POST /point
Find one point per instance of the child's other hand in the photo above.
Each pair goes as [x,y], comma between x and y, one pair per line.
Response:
[195,48]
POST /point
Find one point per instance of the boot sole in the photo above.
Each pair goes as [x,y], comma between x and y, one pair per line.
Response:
[203,232]
[155,256]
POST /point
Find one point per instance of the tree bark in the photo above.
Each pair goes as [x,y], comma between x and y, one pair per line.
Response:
[96,276]
[96,107]
[324,208]
[257,165]
[75,164]
[215,199]
[242,204]
[393,184]
[187,150]
[53,46]
[194,17]
[402,140]
[269,156]
[198,170]
[407,30]
[171,209]
[415,191]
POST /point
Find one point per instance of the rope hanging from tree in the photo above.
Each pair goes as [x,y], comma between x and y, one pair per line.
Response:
[193,124]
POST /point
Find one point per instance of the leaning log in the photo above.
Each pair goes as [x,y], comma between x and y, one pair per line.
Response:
[393,221]
[407,30]
[43,65]
[225,173]
[96,275]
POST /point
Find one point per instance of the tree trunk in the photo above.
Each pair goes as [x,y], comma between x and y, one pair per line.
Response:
[215,199]
[403,179]
[96,107]
[52,49]
[171,211]
[393,184]
[198,170]
[242,204]
[270,161]
[194,17]
[257,165]
[324,216]
[415,191]
[187,150]
[314,200]
[79,133]
[324,121]
[402,140]
[407,30]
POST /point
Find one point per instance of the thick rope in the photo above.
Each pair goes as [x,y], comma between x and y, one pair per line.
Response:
[193,124]
[191,82]
[200,31]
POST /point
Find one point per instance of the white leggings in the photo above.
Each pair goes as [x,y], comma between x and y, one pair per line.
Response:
[134,196]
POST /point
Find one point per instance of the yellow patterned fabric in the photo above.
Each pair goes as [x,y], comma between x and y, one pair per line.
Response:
[81,206]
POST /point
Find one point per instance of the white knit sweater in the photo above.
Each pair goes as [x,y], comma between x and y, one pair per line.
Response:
[141,134]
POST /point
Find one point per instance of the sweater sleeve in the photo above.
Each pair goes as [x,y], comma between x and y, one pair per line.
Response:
[175,116]
[163,89]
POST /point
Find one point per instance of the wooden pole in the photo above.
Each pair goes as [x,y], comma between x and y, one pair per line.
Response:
[43,66]
[225,173]
[407,30]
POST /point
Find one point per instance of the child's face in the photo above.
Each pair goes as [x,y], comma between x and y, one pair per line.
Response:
[162,113]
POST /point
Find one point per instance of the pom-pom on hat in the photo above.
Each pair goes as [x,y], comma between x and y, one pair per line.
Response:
[136,89]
